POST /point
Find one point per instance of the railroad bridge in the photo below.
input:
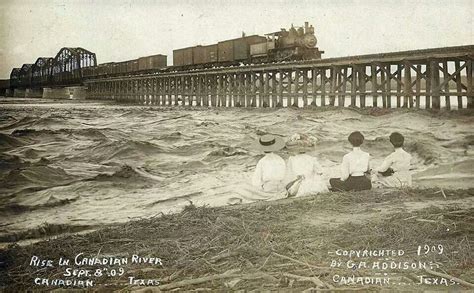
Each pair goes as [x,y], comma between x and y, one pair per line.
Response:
[53,77]
[430,78]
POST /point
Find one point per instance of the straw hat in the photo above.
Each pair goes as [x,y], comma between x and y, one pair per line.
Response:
[300,143]
[298,148]
[269,143]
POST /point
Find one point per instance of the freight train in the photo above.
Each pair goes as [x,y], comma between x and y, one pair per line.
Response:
[73,65]
[294,44]
[141,65]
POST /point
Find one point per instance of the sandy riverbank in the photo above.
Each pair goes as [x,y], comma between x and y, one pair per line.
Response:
[291,244]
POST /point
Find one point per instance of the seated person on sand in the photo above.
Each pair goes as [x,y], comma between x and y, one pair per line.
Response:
[395,169]
[270,172]
[304,173]
[354,167]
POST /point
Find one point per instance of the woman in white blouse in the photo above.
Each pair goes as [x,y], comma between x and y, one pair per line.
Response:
[270,172]
[268,178]
[308,169]
[395,169]
[353,168]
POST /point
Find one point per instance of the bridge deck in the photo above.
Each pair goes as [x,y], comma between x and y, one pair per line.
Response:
[403,79]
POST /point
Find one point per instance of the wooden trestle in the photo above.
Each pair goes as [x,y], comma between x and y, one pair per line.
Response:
[431,78]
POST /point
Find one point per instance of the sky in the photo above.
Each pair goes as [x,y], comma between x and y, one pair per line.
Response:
[118,30]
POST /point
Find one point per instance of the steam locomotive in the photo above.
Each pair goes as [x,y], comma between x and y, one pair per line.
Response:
[295,44]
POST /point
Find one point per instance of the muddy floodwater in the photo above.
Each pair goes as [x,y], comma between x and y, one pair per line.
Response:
[88,164]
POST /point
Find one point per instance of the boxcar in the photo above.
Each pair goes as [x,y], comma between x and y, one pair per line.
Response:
[182,57]
[105,69]
[152,62]
[110,68]
[226,51]
[116,68]
[205,54]
[242,46]
[237,49]
[132,65]
[99,70]
[121,67]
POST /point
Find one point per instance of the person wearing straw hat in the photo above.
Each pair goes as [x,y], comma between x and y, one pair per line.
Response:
[270,172]
[304,173]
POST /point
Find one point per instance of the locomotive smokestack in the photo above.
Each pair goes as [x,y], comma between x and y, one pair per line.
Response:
[306,26]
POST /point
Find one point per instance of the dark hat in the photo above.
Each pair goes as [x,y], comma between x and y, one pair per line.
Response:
[269,143]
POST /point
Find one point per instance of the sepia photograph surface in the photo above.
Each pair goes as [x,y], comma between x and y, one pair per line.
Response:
[306,146]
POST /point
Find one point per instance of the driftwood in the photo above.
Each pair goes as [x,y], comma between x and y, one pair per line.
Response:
[446,276]
[172,118]
[223,255]
[298,261]
[314,280]
[444,194]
